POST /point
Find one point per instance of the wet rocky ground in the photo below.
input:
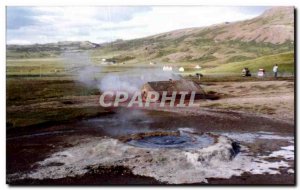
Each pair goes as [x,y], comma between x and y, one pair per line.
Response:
[260,136]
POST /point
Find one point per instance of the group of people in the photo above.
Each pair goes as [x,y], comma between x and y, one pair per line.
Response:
[246,72]
[261,72]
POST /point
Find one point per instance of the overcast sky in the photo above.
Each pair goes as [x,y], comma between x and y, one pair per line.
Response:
[27,25]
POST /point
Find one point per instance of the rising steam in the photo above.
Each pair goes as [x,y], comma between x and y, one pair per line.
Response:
[81,65]
[130,81]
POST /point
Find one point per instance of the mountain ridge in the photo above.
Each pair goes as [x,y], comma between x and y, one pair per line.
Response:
[270,33]
[287,17]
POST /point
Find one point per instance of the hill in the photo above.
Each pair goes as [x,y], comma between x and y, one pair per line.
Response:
[268,34]
[47,50]
[285,62]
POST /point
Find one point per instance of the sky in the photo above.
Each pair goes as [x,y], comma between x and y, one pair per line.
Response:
[29,25]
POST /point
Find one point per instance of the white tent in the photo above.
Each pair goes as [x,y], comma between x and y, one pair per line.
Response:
[197,67]
[167,68]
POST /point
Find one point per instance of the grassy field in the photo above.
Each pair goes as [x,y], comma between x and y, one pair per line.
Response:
[38,101]
[22,91]
[45,88]
[285,62]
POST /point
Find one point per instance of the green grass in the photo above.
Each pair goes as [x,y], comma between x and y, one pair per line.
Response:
[37,79]
[230,51]
[34,93]
[259,48]
[21,54]
[238,58]
[285,62]
[36,66]
[22,91]
[43,116]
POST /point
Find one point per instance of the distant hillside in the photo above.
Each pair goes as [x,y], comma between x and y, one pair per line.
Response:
[268,34]
[285,62]
[275,26]
[47,50]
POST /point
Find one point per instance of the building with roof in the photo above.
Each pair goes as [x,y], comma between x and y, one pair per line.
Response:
[171,86]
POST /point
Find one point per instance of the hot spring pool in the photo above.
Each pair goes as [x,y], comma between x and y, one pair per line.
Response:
[182,140]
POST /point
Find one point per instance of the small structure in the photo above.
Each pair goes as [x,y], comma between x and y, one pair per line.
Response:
[167,68]
[172,86]
[108,63]
[181,69]
[197,67]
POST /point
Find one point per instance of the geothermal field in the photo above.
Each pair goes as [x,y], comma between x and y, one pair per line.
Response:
[238,138]
[237,130]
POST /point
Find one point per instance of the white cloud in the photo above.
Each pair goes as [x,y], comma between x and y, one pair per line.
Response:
[19,41]
[102,24]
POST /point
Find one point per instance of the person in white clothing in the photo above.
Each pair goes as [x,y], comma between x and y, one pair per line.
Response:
[275,70]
